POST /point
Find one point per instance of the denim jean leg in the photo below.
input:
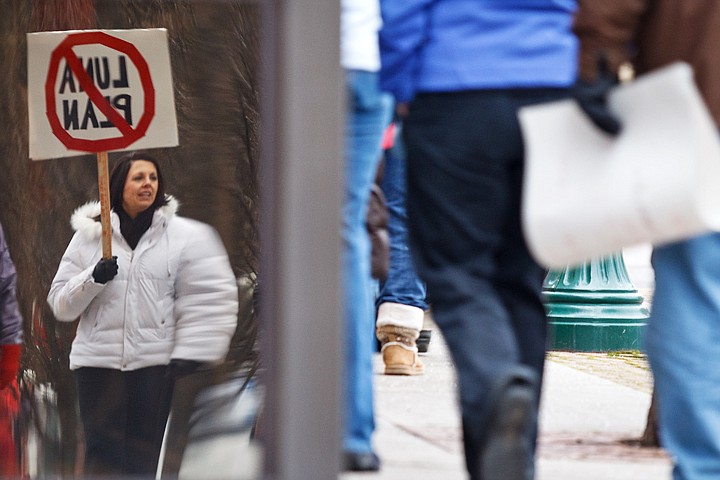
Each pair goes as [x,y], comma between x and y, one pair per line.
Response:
[402,284]
[368,113]
[683,345]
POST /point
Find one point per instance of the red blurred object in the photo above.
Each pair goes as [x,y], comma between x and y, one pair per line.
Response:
[9,409]
[388,139]
[9,363]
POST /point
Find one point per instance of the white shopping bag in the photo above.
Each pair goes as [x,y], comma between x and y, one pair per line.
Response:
[589,194]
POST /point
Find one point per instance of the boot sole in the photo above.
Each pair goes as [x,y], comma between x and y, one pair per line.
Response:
[403,370]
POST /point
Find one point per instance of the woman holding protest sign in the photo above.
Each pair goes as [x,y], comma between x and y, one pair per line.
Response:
[165,303]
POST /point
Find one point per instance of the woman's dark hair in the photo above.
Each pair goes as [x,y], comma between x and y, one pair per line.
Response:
[119,176]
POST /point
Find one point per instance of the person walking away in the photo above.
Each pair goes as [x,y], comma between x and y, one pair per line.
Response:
[462,69]
[683,332]
[400,302]
[368,112]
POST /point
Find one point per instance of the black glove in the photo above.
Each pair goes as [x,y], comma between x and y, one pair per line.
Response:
[592,97]
[105,270]
[180,367]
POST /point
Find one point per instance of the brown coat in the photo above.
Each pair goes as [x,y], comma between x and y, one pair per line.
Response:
[653,33]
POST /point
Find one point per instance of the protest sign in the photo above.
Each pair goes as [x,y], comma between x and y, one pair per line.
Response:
[99,90]
[95,91]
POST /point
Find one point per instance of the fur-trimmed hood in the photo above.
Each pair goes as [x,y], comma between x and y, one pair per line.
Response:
[86,218]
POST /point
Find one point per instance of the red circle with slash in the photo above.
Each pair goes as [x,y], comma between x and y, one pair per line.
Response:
[128,134]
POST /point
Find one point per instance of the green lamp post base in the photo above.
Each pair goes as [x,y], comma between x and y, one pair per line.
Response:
[594,307]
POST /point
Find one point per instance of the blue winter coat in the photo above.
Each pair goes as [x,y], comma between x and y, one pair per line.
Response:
[453,45]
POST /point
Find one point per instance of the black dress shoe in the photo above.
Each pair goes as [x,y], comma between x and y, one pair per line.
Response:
[423,341]
[361,462]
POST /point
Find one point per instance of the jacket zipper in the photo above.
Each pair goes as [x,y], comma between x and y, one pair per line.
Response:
[125,307]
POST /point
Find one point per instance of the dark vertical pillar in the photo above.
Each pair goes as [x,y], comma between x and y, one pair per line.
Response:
[301,178]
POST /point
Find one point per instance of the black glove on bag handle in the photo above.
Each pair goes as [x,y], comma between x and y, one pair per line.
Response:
[592,97]
[105,270]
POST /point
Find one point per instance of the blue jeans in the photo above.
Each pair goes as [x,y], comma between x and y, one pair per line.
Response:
[369,112]
[402,284]
[683,346]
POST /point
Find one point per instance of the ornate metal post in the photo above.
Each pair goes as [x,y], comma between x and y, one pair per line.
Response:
[594,307]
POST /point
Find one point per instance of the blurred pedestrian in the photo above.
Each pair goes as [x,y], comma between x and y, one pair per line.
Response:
[11,331]
[401,300]
[462,69]
[368,112]
[11,339]
[684,325]
[165,303]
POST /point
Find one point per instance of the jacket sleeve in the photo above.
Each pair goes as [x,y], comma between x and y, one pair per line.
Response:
[73,287]
[10,320]
[608,26]
[206,303]
[402,38]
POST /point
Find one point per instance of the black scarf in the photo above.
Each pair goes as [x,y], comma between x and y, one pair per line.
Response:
[133,229]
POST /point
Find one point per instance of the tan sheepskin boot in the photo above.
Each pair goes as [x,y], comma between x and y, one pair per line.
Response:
[399,351]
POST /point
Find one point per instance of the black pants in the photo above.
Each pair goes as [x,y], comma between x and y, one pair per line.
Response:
[465,171]
[124,415]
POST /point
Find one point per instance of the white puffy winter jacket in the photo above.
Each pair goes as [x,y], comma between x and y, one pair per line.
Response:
[175,295]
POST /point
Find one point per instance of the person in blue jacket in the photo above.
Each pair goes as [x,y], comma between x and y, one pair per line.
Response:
[460,70]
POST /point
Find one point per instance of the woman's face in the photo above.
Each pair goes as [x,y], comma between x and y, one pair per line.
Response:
[141,187]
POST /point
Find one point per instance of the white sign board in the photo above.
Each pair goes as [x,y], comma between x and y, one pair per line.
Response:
[95,91]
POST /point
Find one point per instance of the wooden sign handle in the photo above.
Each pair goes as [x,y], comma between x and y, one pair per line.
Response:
[104,189]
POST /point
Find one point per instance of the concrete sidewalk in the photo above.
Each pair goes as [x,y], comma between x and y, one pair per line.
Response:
[585,419]
[591,404]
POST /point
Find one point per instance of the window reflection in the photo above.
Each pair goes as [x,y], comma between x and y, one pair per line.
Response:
[214,426]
